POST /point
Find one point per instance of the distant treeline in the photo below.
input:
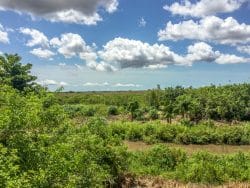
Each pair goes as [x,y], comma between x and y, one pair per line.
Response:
[229,102]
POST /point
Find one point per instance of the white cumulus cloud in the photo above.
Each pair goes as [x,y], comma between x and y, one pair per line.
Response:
[73,16]
[101,67]
[37,37]
[42,53]
[121,53]
[125,53]
[3,35]
[126,85]
[212,28]
[96,84]
[201,51]
[106,84]
[231,59]
[71,44]
[49,82]
[156,66]
[204,8]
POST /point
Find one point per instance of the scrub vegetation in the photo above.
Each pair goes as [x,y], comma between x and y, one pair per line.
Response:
[77,139]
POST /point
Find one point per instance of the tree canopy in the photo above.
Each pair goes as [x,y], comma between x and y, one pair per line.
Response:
[14,73]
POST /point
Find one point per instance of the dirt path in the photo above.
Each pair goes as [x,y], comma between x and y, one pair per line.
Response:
[220,149]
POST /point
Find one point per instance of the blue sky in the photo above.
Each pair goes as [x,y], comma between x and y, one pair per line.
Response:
[129,45]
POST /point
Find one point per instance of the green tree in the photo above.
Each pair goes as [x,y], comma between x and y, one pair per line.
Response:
[133,107]
[14,73]
[168,111]
[183,104]
[153,97]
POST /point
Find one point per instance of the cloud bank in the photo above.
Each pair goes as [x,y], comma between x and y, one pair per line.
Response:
[49,82]
[122,53]
[105,84]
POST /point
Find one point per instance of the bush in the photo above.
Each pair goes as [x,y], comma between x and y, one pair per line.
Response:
[150,139]
[197,134]
[113,110]
[89,111]
[8,166]
[135,133]
[186,122]
[138,115]
[153,114]
[202,168]
[157,160]
[40,148]
[74,110]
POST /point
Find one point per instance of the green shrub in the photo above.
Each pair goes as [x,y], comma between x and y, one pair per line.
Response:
[138,115]
[157,160]
[113,110]
[202,168]
[186,122]
[135,132]
[153,114]
[150,139]
[40,148]
[8,166]
[197,134]
[89,111]
[74,110]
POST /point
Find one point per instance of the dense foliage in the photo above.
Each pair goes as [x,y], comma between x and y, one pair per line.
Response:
[201,167]
[204,133]
[39,147]
[226,103]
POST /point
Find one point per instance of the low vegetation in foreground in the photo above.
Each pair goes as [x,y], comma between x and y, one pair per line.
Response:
[77,140]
